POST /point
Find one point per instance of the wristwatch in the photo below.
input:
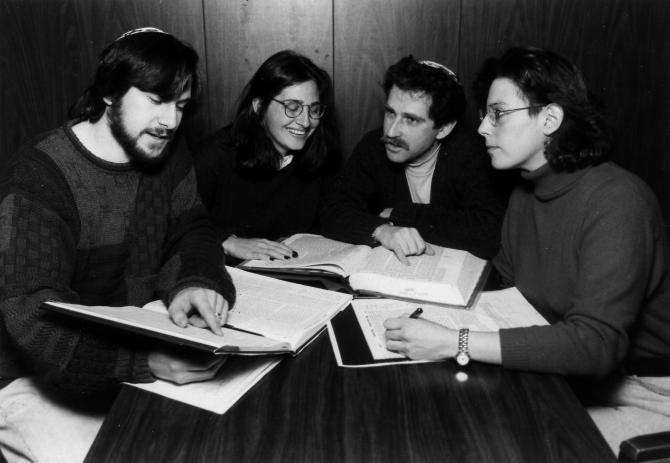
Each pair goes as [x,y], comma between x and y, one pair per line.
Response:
[463,356]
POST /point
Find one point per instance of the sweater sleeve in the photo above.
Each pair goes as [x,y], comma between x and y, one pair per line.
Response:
[349,211]
[471,216]
[195,255]
[212,172]
[620,243]
[39,226]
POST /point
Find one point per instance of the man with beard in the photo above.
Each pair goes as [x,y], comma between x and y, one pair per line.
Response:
[423,179]
[103,211]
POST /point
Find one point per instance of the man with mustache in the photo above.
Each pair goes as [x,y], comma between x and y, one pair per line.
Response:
[423,178]
[103,211]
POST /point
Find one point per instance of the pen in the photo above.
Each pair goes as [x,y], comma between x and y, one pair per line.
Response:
[416,313]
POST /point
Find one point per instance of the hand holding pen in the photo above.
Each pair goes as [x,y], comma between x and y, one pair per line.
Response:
[416,313]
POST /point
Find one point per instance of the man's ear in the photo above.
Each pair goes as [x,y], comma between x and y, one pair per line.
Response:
[552,118]
[445,130]
[256,105]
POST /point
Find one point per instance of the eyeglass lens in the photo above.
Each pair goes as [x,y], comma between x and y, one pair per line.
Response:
[294,109]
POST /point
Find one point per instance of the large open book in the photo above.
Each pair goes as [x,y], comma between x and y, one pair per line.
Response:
[357,334]
[270,316]
[450,277]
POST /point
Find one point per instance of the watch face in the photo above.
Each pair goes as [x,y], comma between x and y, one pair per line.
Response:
[462,359]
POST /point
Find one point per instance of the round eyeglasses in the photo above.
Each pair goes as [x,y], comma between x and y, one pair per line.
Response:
[494,115]
[293,108]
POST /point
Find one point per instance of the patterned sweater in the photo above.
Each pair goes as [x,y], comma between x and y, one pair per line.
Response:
[79,229]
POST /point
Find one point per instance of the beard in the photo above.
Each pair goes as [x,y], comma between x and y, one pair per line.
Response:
[146,158]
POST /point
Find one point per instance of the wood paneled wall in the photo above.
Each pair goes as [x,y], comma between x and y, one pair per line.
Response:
[49,48]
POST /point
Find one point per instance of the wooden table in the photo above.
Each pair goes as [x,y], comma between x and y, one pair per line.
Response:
[310,410]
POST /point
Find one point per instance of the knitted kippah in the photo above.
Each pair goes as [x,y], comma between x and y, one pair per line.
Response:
[442,67]
[141,30]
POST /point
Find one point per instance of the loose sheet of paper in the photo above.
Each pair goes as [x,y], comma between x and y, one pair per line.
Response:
[492,311]
[217,395]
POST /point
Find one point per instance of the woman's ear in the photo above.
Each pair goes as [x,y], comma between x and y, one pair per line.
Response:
[256,105]
[108,101]
[552,118]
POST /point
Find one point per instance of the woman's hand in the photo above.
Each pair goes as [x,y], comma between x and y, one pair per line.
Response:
[420,339]
[257,248]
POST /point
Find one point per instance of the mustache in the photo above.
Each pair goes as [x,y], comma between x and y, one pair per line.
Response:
[395,141]
[161,132]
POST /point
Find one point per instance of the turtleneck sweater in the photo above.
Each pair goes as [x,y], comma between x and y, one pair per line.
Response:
[419,176]
[589,251]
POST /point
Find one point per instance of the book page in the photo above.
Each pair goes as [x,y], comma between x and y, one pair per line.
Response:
[318,253]
[448,277]
[279,309]
[234,379]
[494,310]
[153,320]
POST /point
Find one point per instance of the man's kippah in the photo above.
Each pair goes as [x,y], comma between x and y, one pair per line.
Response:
[442,67]
[141,30]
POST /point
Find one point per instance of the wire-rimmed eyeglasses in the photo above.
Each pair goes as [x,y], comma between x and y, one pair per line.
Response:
[293,108]
[493,114]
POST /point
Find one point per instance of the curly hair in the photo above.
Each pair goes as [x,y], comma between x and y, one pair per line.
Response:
[255,149]
[544,77]
[153,62]
[446,93]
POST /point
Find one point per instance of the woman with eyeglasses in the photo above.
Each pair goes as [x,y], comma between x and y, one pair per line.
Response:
[261,178]
[584,242]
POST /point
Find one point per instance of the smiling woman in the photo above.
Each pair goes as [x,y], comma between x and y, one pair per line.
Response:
[262,177]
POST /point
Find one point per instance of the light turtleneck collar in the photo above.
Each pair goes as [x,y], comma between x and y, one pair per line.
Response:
[549,183]
[425,165]
[419,176]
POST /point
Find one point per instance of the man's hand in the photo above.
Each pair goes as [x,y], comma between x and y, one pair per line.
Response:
[182,368]
[201,307]
[257,248]
[420,339]
[403,241]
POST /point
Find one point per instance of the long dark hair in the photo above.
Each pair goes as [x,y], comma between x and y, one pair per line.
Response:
[545,77]
[151,61]
[255,149]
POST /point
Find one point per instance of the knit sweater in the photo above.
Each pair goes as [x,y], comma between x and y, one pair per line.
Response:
[588,250]
[253,204]
[79,229]
[465,210]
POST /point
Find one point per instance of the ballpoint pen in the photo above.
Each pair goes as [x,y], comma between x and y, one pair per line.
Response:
[416,313]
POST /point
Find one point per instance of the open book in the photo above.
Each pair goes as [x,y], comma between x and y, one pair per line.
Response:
[449,277]
[270,316]
[358,335]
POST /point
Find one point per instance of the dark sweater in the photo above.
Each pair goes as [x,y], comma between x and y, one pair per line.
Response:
[78,229]
[588,250]
[465,210]
[254,204]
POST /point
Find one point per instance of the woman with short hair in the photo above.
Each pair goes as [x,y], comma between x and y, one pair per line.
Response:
[584,242]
